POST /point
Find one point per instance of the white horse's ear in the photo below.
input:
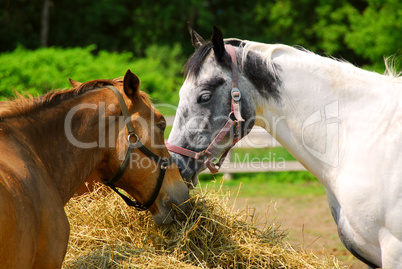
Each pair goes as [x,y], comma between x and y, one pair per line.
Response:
[131,84]
[74,83]
[219,45]
[196,39]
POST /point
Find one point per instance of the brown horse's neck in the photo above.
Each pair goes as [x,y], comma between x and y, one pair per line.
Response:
[70,139]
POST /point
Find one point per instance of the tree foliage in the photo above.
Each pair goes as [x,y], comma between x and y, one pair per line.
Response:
[39,71]
[376,31]
[360,31]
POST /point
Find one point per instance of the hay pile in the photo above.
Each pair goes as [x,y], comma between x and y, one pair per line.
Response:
[105,233]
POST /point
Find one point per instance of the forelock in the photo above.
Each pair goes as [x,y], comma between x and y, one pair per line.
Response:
[193,65]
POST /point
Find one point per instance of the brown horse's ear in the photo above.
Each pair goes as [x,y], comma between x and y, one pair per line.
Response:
[196,39]
[219,45]
[131,84]
[74,83]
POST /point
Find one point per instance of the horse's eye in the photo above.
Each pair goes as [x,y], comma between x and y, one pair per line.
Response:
[162,125]
[204,98]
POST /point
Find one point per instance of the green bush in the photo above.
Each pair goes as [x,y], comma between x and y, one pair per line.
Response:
[38,71]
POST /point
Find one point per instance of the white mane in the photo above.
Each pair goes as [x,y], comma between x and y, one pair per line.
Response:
[390,69]
[267,51]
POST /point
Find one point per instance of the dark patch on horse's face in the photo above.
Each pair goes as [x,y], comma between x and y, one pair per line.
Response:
[256,71]
[184,113]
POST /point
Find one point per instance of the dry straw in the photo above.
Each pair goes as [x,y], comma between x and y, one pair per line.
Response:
[105,233]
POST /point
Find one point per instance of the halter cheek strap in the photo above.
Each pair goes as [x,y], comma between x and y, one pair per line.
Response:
[205,155]
[235,92]
[162,162]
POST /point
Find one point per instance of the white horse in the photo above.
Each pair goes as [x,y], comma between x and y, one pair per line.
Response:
[344,124]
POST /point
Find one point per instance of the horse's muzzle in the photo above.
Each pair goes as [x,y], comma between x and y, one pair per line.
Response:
[189,168]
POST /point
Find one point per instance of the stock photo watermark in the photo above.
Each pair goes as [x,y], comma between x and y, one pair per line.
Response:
[107,125]
[329,117]
[198,133]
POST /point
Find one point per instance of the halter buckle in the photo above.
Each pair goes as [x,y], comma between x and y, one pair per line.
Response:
[136,139]
[164,164]
[236,94]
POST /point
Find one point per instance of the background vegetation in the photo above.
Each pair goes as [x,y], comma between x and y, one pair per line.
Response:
[38,71]
[93,39]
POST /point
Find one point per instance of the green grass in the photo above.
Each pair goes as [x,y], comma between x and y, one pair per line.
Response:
[270,184]
[261,154]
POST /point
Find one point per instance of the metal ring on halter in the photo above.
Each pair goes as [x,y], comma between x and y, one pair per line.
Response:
[165,163]
[136,138]
[236,97]
[232,116]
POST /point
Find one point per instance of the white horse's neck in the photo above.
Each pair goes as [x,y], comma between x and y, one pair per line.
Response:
[329,111]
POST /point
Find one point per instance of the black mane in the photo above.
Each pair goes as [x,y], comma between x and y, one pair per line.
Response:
[196,60]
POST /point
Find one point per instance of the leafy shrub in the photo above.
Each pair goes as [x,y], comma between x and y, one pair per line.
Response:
[38,71]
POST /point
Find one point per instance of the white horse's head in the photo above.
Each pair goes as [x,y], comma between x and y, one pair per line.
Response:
[206,101]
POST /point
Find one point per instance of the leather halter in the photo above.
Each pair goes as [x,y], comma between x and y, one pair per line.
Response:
[161,161]
[234,120]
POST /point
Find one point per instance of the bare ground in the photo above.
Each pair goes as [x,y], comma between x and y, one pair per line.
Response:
[308,221]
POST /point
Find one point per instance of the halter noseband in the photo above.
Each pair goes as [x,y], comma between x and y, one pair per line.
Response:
[205,155]
[162,162]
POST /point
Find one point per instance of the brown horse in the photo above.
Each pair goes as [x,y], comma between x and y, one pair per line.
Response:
[49,146]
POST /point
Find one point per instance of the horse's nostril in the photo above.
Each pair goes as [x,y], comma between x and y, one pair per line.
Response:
[185,176]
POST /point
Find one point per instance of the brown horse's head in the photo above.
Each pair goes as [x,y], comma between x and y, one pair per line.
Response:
[140,178]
